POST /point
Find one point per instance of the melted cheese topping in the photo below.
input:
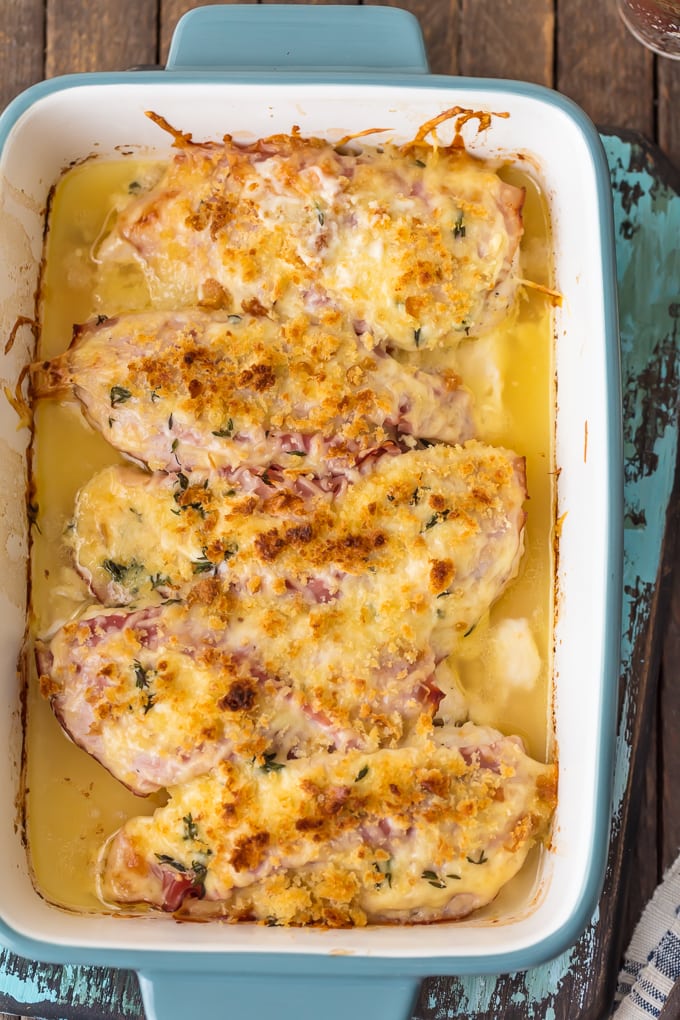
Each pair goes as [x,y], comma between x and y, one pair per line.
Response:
[194,390]
[424,832]
[449,517]
[161,695]
[311,606]
[418,246]
[329,639]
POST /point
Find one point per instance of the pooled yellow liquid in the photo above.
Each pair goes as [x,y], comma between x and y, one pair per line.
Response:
[73,804]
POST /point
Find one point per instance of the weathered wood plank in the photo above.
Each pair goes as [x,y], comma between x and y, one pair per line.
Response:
[508,39]
[68,992]
[603,68]
[439,24]
[669,710]
[170,13]
[22,41]
[642,871]
[346,3]
[668,88]
[97,35]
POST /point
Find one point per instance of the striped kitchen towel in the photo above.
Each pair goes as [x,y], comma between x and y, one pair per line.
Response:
[652,961]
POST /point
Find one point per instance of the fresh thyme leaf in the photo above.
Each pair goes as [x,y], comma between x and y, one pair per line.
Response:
[234,319]
[183,485]
[159,580]
[171,862]
[141,675]
[154,396]
[482,858]
[170,423]
[200,870]
[124,573]
[190,827]
[470,630]
[149,703]
[203,565]
[272,922]
[361,774]
[457,877]
[386,875]
[175,444]
[459,227]
[101,319]
[266,479]
[270,763]
[296,453]
[118,395]
[118,571]
[433,878]
[225,430]
[320,216]
[420,163]
[440,515]
[134,187]
[416,336]
[437,721]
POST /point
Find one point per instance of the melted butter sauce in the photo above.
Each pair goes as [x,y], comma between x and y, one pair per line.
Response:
[73,804]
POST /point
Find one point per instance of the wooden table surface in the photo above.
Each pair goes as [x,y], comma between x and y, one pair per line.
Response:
[580,48]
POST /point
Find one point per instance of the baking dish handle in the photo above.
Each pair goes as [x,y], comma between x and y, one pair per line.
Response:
[177,995]
[285,37]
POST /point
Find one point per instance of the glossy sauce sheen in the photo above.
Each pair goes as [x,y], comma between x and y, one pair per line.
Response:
[73,804]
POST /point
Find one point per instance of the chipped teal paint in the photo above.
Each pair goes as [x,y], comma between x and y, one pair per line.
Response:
[540,986]
[648,283]
[34,983]
[648,272]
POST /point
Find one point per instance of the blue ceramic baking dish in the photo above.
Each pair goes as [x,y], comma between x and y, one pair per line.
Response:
[252,71]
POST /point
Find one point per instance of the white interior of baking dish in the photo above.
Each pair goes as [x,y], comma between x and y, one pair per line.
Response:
[108,120]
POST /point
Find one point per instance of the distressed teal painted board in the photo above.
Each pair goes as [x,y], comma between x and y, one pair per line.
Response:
[647,217]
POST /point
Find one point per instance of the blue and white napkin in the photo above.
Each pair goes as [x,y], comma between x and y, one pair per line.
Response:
[652,961]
